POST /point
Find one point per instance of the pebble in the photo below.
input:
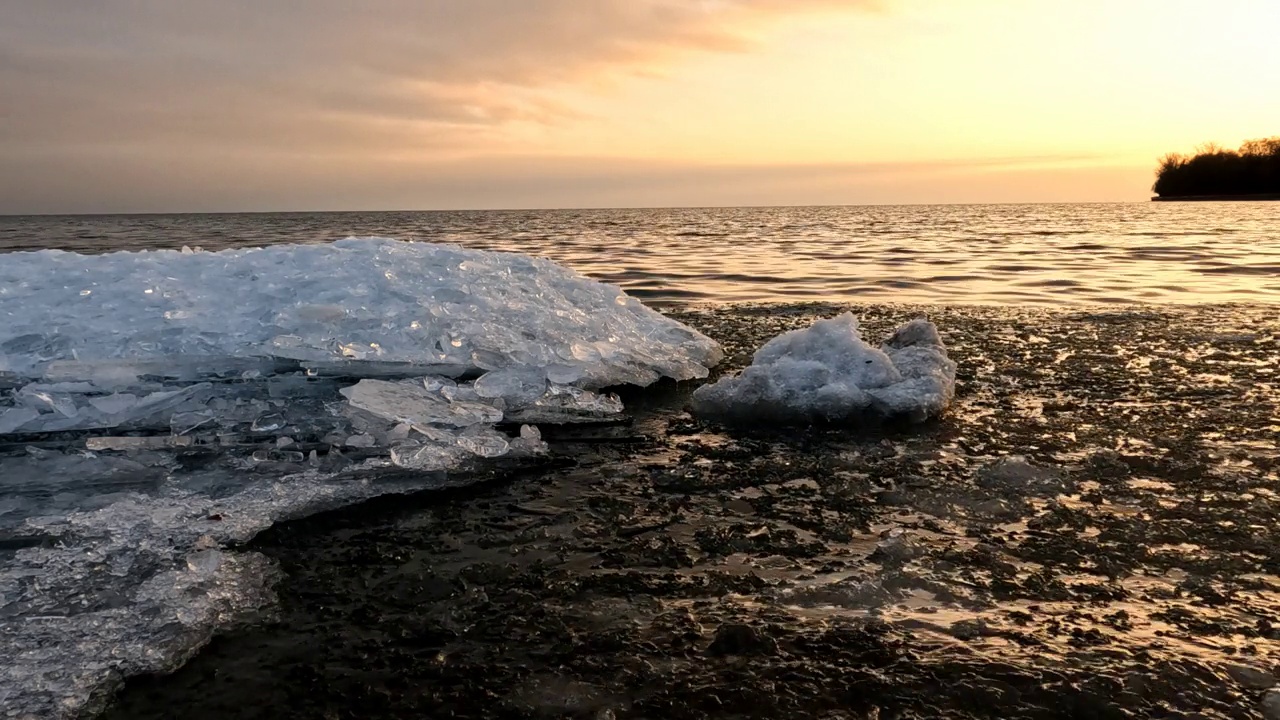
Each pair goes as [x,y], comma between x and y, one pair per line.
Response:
[1251,677]
[1271,705]
[740,639]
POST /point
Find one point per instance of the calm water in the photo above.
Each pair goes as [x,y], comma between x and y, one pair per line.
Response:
[998,254]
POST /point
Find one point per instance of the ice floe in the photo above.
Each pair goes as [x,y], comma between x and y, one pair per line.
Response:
[828,373]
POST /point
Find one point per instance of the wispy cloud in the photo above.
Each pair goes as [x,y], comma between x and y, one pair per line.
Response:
[332,76]
[210,183]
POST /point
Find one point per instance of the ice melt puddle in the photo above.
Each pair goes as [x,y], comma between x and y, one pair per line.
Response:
[827,373]
[157,408]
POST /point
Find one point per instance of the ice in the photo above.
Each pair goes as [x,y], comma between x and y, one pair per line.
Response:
[204,562]
[134,584]
[278,456]
[38,411]
[409,402]
[14,418]
[827,373]
[268,423]
[484,441]
[113,404]
[403,309]
[428,457]
[379,370]
[568,404]
[166,426]
[516,385]
[136,443]
[529,443]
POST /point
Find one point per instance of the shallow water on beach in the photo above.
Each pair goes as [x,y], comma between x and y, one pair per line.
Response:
[953,254]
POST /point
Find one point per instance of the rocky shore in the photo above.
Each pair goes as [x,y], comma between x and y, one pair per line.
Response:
[1090,533]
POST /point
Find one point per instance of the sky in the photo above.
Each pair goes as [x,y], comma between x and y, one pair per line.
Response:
[245,105]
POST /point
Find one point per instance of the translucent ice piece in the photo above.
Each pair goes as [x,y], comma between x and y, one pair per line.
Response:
[428,457]
[114,404]
[484,441]
[409,402]
[516,385]
[204,562]
[137,443]
[529,443]
[278,456]
[567,404]
[13,419]
[47,402]
[270,422]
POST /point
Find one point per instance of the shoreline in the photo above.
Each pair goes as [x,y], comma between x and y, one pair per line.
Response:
[670,568]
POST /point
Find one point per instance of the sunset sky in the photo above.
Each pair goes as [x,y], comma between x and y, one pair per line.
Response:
[223,105]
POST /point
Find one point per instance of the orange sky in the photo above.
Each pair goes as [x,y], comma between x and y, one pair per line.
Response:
[190,105]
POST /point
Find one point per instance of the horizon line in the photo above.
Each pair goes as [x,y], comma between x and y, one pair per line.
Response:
[560,209]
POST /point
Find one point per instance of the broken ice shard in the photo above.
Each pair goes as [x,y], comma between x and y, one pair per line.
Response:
[409,402]
[519,385]
[567,404]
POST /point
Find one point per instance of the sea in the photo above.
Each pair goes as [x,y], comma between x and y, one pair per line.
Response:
[1068,254]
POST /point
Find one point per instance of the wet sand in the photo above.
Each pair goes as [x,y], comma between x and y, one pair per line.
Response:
[1125,567]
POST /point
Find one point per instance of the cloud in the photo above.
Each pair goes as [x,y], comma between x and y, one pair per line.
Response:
[334,77]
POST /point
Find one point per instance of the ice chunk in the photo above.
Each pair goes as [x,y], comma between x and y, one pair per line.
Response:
[409,402]
[515,385]
[182,423]
[46,402]
[827,373]
[59,413]
[137,443]
[435,434]
[268,423]
[529,443]
[428,457]
[114,404]
[204,562]
[278,456]
[567,404]
[369,307]
[14,419]
[484,441]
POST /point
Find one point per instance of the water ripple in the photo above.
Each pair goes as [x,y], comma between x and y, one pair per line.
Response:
[950,254]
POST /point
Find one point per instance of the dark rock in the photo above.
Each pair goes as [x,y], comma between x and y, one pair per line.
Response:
[739,639]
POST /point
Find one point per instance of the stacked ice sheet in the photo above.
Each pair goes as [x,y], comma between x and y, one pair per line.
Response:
[98,335]
[156,407]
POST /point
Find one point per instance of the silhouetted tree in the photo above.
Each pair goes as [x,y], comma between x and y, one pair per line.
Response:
[1254,169]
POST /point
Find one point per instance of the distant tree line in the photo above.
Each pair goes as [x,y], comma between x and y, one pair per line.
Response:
[1253,169]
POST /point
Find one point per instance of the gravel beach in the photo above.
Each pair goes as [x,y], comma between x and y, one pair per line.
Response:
[1091,532]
